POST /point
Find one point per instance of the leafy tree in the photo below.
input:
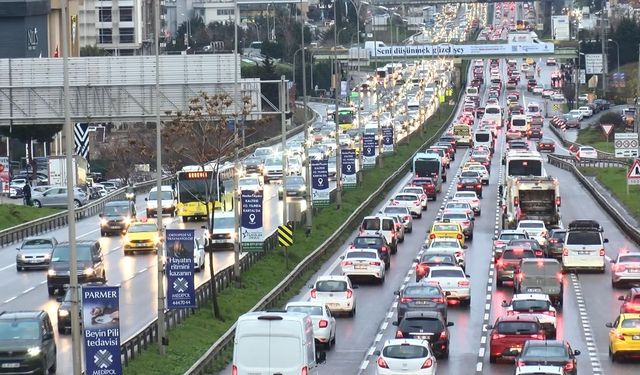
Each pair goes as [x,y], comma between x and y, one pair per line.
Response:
[92,51]
[627,35]
[201,136]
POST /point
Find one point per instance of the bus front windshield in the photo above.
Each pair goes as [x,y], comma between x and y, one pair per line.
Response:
[525,168]
[196,190]
[345,117]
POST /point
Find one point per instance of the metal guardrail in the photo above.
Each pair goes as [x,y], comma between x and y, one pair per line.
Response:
[629,230]
[602,155]
[205,363]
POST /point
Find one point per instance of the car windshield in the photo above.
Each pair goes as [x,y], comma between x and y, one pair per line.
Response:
[61,253]
[38,242]
[630,323]
[405,351]
[164,195]
[438,259]
[446,273]
[518,254]
[273,162]
[530,305]
[545,351]
[139,228]
[510,328]
[331,286]
[15,329]
[443,244]
[116,210]
[465,195]
[361,254]
[311,310]
[421,325]
[248,181]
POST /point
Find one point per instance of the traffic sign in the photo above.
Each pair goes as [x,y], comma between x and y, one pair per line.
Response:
[607,129]
[626,145]
[285,235]
[634,171]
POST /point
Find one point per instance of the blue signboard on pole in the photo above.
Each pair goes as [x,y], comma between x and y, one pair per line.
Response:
[387,139]
[101,329]
[348,166]
[180,274]
[252,234]
[320,182]
[369,150]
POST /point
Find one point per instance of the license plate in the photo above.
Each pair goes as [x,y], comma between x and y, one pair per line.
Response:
[114,227]
[584,252]
[421,302]
[534,290]
[360,267]
[636,337]
[421,337]
[334,305]
[516,349]
[140,244]
[34,261]
[10,365]
[633,270]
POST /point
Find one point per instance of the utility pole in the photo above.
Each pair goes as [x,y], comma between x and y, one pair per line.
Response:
[76,350]
[162,336]
[335,114]
[605,67]
[307,176]
[236,98]
[637,123]
[283,123]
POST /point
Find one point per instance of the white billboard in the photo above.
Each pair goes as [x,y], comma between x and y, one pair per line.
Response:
[453,50]
[560,27]
[593,63]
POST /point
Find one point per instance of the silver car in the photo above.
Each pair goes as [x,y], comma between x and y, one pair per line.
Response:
[625,269]
[57,197]
[35,252]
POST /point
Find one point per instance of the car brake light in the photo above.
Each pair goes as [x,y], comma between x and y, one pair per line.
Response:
[382,363]
[479,186]
[569,366]
[466,223]
[511,313]
[384,249]
[619,268]
[405,300]
[516,201]
[234,370]
[553,240]
[538,336]
[374,263]
[519,363]
[520,276]
[459,236]
[323,323]
[619,335]
[558,201]
[601,252]
[304,371]
[459,186]
[314,293]
[398,336]
[500,263]
[463,283]
[398,225]
[565,252]
[559,276]
[496,336]
[407,218]
[432,236]
[349,293]
[438,300]
[428,363]
[347,263]
[538,253]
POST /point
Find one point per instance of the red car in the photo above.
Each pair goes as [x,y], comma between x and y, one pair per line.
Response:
[509,333]
[470,184]
[630,302]
[546,145]
[427,185]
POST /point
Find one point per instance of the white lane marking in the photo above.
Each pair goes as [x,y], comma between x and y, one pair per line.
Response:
[10,299]
[7,267]
[28,290]
[586,327]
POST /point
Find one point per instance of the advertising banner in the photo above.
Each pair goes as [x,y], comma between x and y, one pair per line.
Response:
[387,139]
[320,182]
[101,329]
[348,165]
[369,149]
[251,231]
[4,174]
[180,284]
[455,50]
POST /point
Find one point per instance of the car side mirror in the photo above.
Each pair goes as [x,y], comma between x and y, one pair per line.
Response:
[606,240]
[576,352]
[609,325]
[488,326]
[612,261]
[465,247]
[621,298]
[100,215]
[395,323]
[495,238]
[146,199]
[449,324]
[17,248]
[341,256]
[321,357]
[396,293]
[472,219]
[447,294]
[417,260]
[467,276]
[376,353]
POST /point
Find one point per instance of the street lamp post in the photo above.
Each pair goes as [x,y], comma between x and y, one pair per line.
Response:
[188,35]
[617,53]
[360,3]
[335,114]
[307,177]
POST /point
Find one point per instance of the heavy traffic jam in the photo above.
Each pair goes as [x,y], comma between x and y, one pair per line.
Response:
[527,255]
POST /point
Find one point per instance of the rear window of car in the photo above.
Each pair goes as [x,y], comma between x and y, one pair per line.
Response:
[631,323]
[426,291]
[531,225]
[517,254]
[545,351]
[629,258]
[455,216]
[437,258]
[405,197]
[512,236]
[367,241]
[551,269]
[446,273]
[559,235]
[331,286]
[405,351]
[371,224]
[530,305]
[583,238]
[311,310]
[512,328]
[464,206]
[420,325]
[395,210]
[361,254]
[387,224]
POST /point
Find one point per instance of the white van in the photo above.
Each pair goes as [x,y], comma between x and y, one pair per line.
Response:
[274,343]
[168,198]
[493,113]
[519,123]
[583,246]
[484,138]
[383,225]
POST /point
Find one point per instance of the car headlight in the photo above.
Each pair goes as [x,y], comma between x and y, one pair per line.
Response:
[127,220]
[89,271]
[63,313]
[34,351]
[51,272]
[157,239]
[302,188]
[103,221]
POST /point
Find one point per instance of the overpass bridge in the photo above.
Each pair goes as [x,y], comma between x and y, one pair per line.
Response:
[422,3]
[115,89]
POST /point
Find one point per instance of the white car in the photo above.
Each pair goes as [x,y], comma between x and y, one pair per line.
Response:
[587,152]
[458,205]
[336,292]
[583,97]
[551,61]
[449,244]
[537,90]
[586,111]
[363,262]
[420,192]
[407,218]
[539,370]
[409,200]
[470,197]
[250,183]
[294,166]
[557,97]
[324,324]
[406,356]
[223,233]
[535,229]
[536,304]
[484,173]
[198,256]
[576,113]
[453,280]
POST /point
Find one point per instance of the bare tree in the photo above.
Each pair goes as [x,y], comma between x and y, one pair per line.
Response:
[202,136]
[126,149]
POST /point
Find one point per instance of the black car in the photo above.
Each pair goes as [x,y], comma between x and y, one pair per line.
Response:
[421,297]
[549,352]
[546,144]
[555,243]
[470,184]
[116,216]
[90,265]
[28,345]
[293,186]
[253,165]
[426,325]
[374,241]
[528,243]
[531,84]
[64,310]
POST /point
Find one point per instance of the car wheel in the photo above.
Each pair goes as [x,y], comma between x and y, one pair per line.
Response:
[127,253]
[36,204]
[601,270]
[410,229]
[420,215]
[612,356]
[333,340]
[104,277]
[19,268]
[51,290]
[614,284]
[471,237]
[76,203]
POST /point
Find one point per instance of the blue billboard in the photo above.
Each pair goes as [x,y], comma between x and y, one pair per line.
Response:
[180,245]
[252,234]
[387,139]
[369,150]
[320,182]
[348,167]
[101,329]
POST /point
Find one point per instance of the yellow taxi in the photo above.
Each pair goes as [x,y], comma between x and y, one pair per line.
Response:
[141,236]
[624,336]
[446,229]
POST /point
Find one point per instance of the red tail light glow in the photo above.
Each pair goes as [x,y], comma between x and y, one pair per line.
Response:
[398,336]
[432,236]
[349,293]
[234,370]
[323,323]
[569,366]
[405,300]
[314,293]
[304,371]
[382,363]
[558,201]
[374,263]
[463,283]
[519,363]
[601,252]
[438,300]
[459,186]
[459,236]
[428,363]
[559,276]
[538,253]
[478,186]
[550,313]
[516,201]
[497,336]
[500,263]
[619,335]
[384,249]
[346,263]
